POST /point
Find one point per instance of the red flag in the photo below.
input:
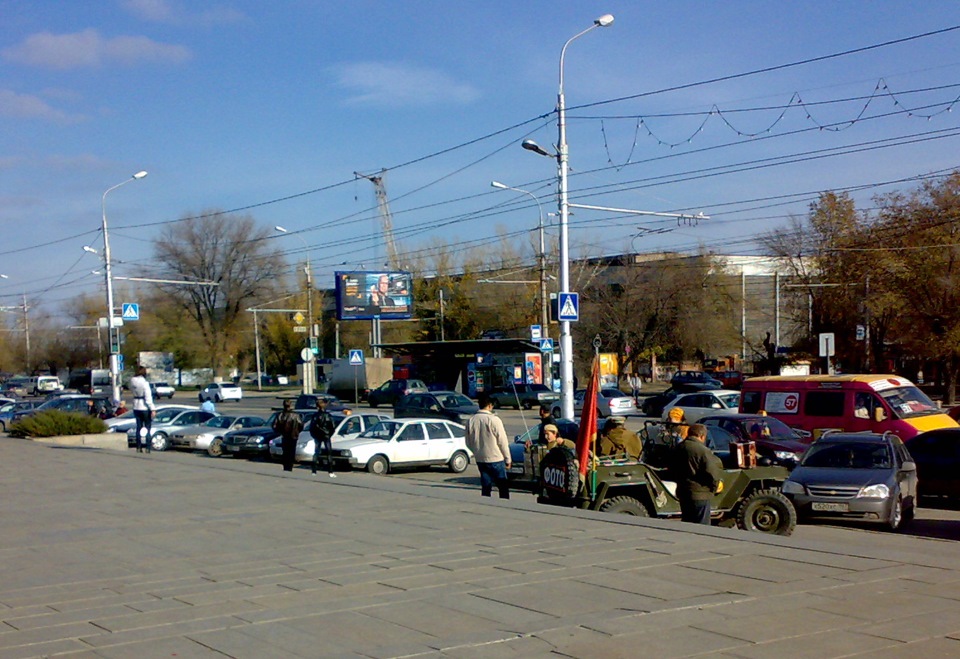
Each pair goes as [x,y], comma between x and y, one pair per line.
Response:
[588,419]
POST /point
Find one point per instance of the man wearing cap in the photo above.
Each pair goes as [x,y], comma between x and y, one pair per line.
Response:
[676,425]
[553,439]
[289,425]
[699,474]
[615,439]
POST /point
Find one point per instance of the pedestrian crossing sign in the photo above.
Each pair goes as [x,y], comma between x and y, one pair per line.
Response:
[130,311]
[356,357]
[569,307]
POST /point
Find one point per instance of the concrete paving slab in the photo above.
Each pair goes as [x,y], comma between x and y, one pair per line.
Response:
[219,557]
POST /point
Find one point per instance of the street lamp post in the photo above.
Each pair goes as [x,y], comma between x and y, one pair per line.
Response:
[113,331]
[308,368]
[541,257]
[563,156]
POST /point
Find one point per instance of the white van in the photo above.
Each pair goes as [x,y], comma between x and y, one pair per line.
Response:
[45,384]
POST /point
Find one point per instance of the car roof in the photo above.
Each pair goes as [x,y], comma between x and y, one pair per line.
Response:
[845,437]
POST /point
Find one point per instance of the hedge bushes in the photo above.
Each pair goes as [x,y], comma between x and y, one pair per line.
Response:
[52,423]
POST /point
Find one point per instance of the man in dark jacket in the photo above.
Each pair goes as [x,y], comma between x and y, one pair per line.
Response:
[699,475]
[289,425]
[322,429]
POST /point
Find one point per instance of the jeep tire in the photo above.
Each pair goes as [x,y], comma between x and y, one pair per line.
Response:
[624,506]
[767,511]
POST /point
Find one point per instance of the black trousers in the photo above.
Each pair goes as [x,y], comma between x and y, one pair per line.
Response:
[289,452]
[144,420]
[696,512]
[327,449]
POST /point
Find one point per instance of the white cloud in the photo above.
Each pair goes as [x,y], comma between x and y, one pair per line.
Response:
[165,11]
[89,49]
[399,85]
[25,106]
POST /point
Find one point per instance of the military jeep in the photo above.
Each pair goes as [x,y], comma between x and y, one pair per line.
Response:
[750,498]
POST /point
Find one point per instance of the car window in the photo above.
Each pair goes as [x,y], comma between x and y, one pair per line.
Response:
[382,430]
[719,439]
[220,422]
[437,430]
[824,403]
[351,426]
[164,416]
[730,400]
[189,418]
[848,455]
[457,431]
[7,408]
[412,433]
[371,420]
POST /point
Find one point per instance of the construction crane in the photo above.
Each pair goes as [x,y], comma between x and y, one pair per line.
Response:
[386,218]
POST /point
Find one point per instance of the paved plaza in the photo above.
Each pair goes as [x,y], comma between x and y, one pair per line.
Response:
[108,553]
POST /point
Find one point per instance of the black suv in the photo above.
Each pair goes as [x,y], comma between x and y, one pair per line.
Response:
[391,391]
[436,404]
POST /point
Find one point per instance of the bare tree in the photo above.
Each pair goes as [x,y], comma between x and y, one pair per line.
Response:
[228,250]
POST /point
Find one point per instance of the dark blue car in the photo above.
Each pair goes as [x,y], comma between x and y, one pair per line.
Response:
[9,409]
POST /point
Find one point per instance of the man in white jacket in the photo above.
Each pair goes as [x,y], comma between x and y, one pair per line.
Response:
[143,408]
[487,439]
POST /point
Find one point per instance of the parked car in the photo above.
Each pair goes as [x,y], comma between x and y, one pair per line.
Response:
[694,406]
[610,402]
[167,422]
[348,426]
[526,396]
[653,405]
[221,391]
[8,409]
[255,442]
[436,404]
[937,455]
[127,420]
[728,379]
[162,390]
[406,443]
[773,438]
[308,403]
[68,403]
[695,377]
[208,436]
[391,391]
[856,475]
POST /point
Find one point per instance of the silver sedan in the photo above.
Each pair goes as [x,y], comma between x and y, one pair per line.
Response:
[208,436]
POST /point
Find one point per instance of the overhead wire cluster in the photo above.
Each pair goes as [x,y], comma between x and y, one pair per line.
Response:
[503,207]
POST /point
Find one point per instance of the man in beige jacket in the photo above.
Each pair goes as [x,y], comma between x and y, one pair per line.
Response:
[487,439]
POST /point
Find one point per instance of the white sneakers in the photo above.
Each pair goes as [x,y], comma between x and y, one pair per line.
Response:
[332,475]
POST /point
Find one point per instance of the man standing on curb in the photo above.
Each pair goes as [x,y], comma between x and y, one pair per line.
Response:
[487,439]
[322,429]
[699,475]
[143,408]
[289,425]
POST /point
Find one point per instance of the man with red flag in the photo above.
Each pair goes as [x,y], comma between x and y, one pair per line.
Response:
[586,440]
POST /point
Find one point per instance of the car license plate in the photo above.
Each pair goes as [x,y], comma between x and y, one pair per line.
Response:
[516,470]
[824,507]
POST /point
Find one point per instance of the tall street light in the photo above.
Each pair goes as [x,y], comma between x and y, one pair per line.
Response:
[541,257]
[308,369]
[113,330]
[566,339]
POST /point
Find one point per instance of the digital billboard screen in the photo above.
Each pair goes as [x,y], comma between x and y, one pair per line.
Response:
[365,295]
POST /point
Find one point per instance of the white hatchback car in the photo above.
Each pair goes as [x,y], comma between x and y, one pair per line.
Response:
[703,403]
[220,391]
[406,443]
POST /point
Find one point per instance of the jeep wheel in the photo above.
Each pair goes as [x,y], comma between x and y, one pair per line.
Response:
[215,450]
[767,511]
[378,465]
[559,475]
[458,462]
[624,506]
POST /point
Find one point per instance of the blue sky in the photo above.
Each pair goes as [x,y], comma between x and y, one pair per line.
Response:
[273,106]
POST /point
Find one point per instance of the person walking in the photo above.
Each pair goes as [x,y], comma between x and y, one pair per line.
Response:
[635,383]
[143,408]
[322,429]
[208,406]
[699,475]
[289,425]
[487,439]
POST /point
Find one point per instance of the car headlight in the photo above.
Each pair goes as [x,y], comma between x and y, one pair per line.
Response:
[255,439]
[878,491]
[790,487]
[785,455]
[346,453]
